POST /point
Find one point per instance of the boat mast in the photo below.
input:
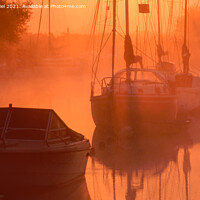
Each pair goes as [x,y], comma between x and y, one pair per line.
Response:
[127,36]
[127,17]
[185,50]
[185,24]
[159,47]
[49,23]
[113,47]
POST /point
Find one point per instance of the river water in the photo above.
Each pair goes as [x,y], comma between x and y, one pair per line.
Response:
[150,167]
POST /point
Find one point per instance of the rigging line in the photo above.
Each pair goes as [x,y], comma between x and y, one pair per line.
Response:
[144,35]
[95,18]
[195,67]
[148,39]
[99,27]
[153,30]
[145,54]
[101,51]
[122,36]
[102,40]
[40,20]
[119,24]
[92,31]
[177,48]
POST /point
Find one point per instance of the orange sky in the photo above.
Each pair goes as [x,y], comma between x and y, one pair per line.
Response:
[77,19]
[80,20]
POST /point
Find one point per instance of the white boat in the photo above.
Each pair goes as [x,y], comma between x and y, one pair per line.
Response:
[37,148]
[132,95]
[188,85]
[146,98]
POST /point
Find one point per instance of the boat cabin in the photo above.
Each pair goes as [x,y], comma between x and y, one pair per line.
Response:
[28,124]
[142,81]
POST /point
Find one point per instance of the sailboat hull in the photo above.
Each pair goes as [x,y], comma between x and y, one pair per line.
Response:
[130,109]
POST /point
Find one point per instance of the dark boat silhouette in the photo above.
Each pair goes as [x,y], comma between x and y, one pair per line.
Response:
[37,148]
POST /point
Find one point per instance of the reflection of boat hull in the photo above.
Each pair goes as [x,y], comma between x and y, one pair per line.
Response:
[77,190]
[43,168]
[131,109]
[136,153]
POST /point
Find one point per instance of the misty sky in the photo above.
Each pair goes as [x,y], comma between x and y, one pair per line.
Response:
[79,20]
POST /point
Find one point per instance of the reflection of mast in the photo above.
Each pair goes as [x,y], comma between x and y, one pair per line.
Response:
[114,193]
[131,193]
[160,189]
[186,169]
[132,190]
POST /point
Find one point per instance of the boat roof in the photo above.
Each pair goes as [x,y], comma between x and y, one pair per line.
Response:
[30,123]
[158,73]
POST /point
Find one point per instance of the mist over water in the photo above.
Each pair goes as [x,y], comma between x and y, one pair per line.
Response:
[148,167]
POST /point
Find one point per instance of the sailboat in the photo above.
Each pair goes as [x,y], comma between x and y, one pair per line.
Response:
[187,85]
[132,95]
[188,89]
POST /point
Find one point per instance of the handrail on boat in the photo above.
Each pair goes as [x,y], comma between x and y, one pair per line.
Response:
[106,84]
[26,129]
[57,137]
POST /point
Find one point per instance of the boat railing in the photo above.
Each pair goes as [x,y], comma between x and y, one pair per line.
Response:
[63,139]
[106,84]
[25,129]
[121,86]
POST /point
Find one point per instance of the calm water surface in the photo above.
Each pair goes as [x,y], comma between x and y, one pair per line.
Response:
[149,167]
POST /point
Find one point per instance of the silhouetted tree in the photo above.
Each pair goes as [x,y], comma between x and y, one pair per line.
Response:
[13,22]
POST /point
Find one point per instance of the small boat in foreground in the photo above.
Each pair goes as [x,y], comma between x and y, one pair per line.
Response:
[37,148]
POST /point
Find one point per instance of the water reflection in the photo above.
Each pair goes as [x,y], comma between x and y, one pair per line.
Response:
[146,166]
[76,190]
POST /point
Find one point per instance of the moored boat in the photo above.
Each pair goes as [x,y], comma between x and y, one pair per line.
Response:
[187,84]
[147,97]
[132,94]
[37,148]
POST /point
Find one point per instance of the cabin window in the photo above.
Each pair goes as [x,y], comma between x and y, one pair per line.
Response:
[3,116]
[27,124]
[57,129]
[25,134]
[29,118]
